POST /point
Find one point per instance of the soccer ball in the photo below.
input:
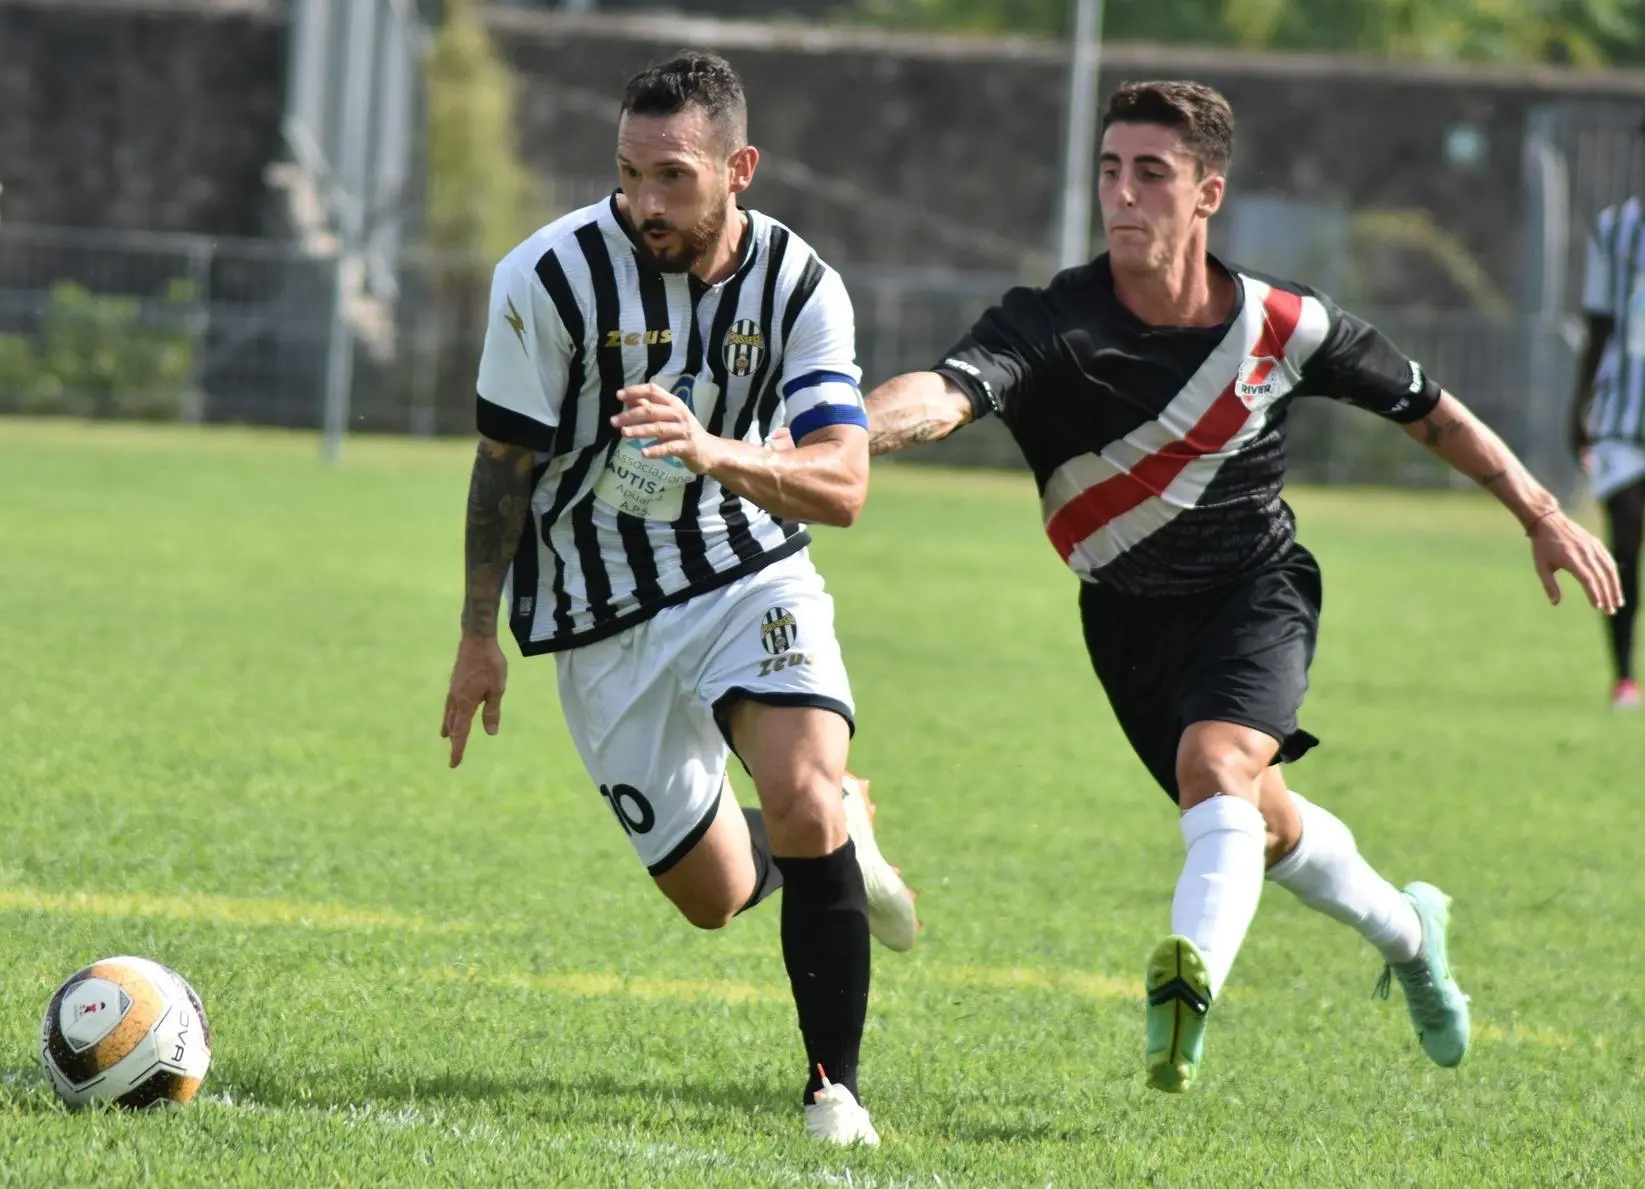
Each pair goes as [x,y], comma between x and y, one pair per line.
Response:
[126,1031]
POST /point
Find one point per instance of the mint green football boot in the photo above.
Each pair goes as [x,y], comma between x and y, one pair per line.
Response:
[1438,1007]
[1179,996]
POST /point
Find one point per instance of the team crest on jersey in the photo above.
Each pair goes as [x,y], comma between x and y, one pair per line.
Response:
[778,631]
[744,348]
[1258,379]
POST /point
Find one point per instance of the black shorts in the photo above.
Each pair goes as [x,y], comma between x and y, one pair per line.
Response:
[1237,654]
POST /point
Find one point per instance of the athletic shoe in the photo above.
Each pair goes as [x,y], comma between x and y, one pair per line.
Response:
[1179,996]
[1438,1007]
[891,916]
[835,1115]
[1626,695]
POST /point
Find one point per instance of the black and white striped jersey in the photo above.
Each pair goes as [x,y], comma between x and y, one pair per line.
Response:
[575,316]
[1614,286]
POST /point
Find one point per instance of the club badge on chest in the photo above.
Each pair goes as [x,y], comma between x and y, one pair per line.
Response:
[654,488]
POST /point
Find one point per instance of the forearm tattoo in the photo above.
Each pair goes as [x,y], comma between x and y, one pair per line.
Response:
[1435,431]
[1435,434]
[499,498]
[899,419]
[910,428]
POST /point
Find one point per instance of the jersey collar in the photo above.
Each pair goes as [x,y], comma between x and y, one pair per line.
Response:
[1103,276]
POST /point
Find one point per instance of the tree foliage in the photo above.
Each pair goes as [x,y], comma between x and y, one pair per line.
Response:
[479,192]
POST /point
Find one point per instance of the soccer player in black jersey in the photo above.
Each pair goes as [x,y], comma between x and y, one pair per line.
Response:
[1147,390]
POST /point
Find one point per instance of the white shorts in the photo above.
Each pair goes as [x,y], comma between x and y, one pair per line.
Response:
[1613,466]
[648,707]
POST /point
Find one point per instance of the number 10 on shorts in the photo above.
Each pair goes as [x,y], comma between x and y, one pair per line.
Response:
[633,811]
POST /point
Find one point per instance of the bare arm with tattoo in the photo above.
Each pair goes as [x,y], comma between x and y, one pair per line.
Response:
[912,409]
[1557,543]
[499,498]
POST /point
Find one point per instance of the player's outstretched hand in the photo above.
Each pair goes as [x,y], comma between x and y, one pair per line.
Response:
[479,676]
[1559,543]
[653,412]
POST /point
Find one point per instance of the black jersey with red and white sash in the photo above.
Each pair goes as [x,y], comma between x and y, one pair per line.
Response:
[1160,451]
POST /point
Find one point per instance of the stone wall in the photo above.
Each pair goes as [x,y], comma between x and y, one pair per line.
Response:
[163,114]
[918,152]
[140,114]
[963,137]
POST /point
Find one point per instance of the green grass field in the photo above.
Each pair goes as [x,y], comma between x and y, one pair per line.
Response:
[224,669]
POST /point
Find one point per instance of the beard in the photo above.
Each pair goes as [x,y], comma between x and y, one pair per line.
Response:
[695,241]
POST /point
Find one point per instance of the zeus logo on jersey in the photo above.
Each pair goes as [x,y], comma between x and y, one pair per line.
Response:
[654,488]
[515,322]
[636,338]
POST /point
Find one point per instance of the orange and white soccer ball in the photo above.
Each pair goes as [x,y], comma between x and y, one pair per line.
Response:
[126,1031]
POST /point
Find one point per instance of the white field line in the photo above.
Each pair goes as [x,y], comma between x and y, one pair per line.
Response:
[220,910]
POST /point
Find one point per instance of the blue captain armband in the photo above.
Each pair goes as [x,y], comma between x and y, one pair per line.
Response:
[823,415]
[820,399]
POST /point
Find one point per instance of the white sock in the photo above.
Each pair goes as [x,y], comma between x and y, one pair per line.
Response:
[1327,873]
[1221,880]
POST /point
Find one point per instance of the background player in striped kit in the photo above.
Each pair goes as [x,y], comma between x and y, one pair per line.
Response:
[1608,410]
[640,353]
[1148,391]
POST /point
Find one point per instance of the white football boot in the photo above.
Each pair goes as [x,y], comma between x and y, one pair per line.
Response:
[891,916]
[835,1115]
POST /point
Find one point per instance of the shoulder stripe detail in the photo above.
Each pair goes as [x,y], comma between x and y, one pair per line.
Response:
[1101,504]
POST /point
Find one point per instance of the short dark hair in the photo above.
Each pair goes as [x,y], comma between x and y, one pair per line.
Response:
[692,78]
[1198,112]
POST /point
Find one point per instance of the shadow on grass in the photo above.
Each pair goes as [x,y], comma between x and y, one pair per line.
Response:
[530,1093]
[601,1098]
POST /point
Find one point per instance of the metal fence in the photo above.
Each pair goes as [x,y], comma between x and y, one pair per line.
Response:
[123,324]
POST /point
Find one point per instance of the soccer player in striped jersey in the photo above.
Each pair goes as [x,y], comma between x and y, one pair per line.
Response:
[1608,412]
[1147,390]
[641,354]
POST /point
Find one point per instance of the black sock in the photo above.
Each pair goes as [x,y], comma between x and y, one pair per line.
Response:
[1622,623]
[1626,513]
[825,947]
[768,877]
